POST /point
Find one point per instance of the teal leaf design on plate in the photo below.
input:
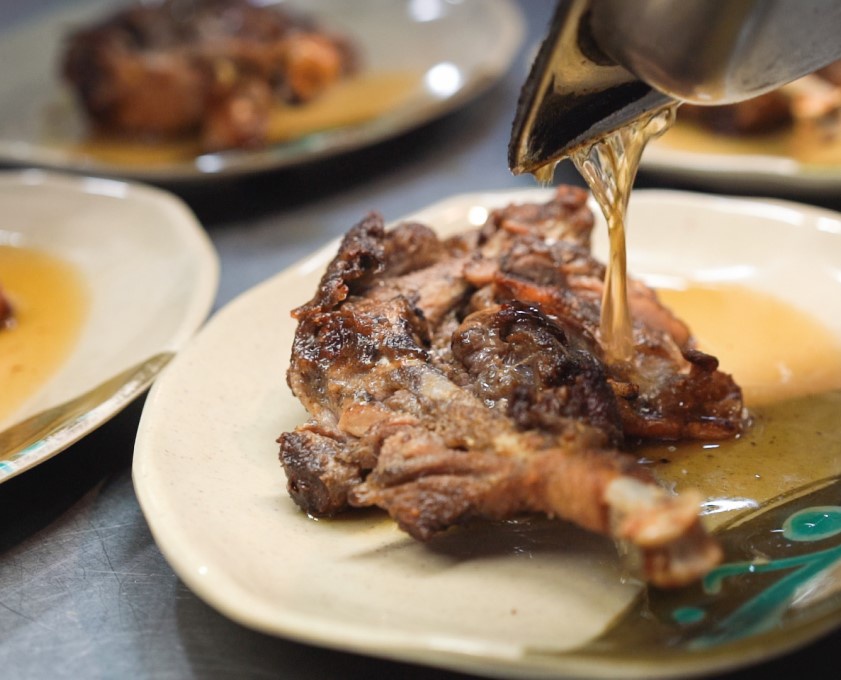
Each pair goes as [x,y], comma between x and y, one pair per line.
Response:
[764,610]
[774,555]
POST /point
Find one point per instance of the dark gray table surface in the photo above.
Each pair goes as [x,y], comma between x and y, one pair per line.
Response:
[84,591]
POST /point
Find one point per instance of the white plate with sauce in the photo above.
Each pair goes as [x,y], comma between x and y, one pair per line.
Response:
[522,599]
[420,60]
[107,280]
[768,165]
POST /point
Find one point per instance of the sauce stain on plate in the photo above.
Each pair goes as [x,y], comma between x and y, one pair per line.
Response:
[50,302]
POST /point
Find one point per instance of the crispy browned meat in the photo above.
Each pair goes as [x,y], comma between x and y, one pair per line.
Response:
[459,379]
[214,67]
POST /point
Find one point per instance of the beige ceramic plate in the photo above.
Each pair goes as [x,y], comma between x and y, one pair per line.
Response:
[453,50]
[151,274]
[516,599]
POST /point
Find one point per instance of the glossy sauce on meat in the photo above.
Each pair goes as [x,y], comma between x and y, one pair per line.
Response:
[50,302]
[789,366]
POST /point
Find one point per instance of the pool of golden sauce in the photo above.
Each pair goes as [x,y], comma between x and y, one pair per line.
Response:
[789,366]
[354,101]
[50,302]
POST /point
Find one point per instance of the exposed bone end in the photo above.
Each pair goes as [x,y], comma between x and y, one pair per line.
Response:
[683,561]
[646,514]
[672,547]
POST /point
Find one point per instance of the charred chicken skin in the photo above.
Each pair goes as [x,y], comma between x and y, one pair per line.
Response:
[449,380]
[212,67]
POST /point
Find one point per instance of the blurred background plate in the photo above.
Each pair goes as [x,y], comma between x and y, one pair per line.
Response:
[712,162]
[149,276]
[450,51]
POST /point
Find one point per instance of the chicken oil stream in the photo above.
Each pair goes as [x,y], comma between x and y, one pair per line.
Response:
[609,166]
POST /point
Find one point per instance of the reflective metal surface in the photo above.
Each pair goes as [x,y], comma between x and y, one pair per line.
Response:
[605,63]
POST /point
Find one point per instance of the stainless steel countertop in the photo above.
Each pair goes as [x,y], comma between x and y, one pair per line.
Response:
[84,591]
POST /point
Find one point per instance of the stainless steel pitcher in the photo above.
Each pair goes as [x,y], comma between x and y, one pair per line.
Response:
[606,63]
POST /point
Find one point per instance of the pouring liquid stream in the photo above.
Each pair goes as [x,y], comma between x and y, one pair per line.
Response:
[609,166]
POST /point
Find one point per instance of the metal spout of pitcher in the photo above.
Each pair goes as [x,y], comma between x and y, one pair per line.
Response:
[607,63]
